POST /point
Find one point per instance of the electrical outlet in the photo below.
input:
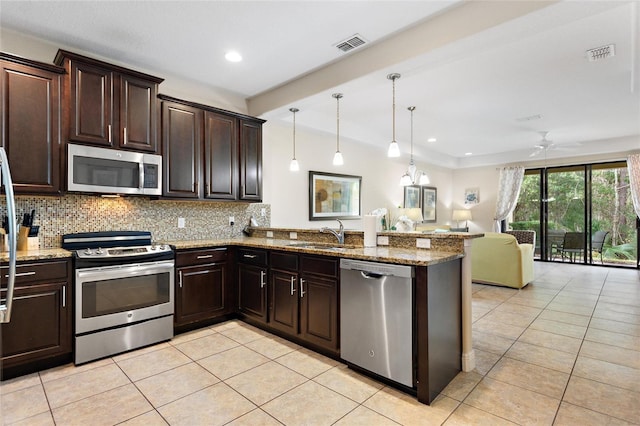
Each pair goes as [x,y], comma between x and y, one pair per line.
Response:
[269,234]
[383,240]
[263,212]
[232,220]
[293,235]
[423,243]
[181,222]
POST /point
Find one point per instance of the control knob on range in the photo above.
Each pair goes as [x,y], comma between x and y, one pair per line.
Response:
[88,252]
[99,251]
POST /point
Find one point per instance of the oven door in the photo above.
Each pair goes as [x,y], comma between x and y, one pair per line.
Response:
[111,296]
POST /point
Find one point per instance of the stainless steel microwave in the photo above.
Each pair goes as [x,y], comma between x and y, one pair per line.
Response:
[112,171]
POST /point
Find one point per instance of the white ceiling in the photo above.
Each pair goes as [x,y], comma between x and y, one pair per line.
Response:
[471,89]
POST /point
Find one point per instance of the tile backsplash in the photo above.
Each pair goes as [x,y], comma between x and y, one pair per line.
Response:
[85,213]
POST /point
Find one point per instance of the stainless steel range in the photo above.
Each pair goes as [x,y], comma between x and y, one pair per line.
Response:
[124,292]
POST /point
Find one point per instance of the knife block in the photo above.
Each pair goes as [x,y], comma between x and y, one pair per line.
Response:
[23,239]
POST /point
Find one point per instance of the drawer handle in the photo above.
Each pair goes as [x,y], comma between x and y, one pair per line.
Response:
[302,292]
[262,280]
[23,274]
[293,285]
[64,296]
[180,278]
[204,256]
[109,126]
[250,256]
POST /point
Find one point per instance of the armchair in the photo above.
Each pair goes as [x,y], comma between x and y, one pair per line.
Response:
[499,259]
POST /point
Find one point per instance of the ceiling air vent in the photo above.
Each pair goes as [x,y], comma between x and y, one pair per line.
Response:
[602,52]
[351,43]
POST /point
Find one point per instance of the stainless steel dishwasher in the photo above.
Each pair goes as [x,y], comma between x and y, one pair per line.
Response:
[376,318]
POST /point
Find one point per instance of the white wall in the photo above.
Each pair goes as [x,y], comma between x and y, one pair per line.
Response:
[486,180]
[288,192]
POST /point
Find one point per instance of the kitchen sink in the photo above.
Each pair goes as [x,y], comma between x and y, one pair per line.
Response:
[318,246]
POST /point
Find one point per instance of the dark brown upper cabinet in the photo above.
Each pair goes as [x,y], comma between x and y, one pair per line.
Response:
[30,123]
[109,106]
[209,153]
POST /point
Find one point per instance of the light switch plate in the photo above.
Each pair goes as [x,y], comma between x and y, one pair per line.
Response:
[383,240]
[423,243]
[293,235]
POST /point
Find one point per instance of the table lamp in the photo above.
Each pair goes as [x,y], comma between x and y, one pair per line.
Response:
[459,215]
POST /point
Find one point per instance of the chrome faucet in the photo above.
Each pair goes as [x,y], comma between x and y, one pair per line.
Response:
[339,234]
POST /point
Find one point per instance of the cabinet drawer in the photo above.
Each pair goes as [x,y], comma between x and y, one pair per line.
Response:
[284,261]
[252,257]
[41,271]
[199,257]
[326,266]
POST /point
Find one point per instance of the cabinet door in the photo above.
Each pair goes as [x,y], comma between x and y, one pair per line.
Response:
[250,161]
[91,110]
[181,146]
[30,120]
[40,324]
[319,311]
[220,156]
[252,289]
[138,114]
[284,301]
[200,293]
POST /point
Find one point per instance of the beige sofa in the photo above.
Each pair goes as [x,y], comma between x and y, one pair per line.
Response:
[499,259]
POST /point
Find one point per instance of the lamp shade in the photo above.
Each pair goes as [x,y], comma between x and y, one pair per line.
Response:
[415,214]
[462,215]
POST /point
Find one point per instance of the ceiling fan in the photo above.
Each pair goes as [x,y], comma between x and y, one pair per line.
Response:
[546,144]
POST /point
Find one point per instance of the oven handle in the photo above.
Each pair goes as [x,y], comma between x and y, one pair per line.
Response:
[118,271]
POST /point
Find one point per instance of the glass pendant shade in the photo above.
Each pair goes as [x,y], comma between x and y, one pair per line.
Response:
[337,159]
[394,149]
[294,166]
[405,180]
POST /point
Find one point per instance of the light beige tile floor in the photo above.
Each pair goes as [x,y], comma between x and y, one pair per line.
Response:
[564,350]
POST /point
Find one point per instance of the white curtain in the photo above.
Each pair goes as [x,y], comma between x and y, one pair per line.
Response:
[633,165]
[508,192]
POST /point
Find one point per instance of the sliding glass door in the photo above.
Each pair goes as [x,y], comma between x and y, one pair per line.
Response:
[581,214]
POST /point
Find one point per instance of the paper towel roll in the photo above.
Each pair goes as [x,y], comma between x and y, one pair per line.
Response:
[370,235]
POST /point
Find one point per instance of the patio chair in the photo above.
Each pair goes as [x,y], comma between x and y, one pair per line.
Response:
[573,245]
[555,239]
[597,242]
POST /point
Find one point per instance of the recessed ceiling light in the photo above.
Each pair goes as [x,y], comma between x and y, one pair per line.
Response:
[233,56]
[431,140]
[468,153]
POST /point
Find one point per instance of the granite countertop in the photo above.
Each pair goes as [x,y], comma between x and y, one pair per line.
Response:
[42,254]
[404,256]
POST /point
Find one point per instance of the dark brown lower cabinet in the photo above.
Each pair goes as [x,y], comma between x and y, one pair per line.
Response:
[39,334]
[304,298]
[202,284]
[252,284]
[284,301]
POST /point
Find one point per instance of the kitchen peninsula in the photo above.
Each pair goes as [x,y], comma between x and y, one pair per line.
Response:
[441,299]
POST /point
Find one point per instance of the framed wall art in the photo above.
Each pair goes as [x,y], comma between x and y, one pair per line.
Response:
[429,201]
[334,196]
[412,196]
[471,196]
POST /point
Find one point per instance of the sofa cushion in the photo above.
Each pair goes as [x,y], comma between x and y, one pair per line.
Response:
[498,259]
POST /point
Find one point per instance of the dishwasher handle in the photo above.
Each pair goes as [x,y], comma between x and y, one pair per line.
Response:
[371,275]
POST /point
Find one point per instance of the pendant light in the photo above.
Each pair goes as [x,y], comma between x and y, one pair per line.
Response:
[294,166]
[412,175]
[337,158]
[394,149]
